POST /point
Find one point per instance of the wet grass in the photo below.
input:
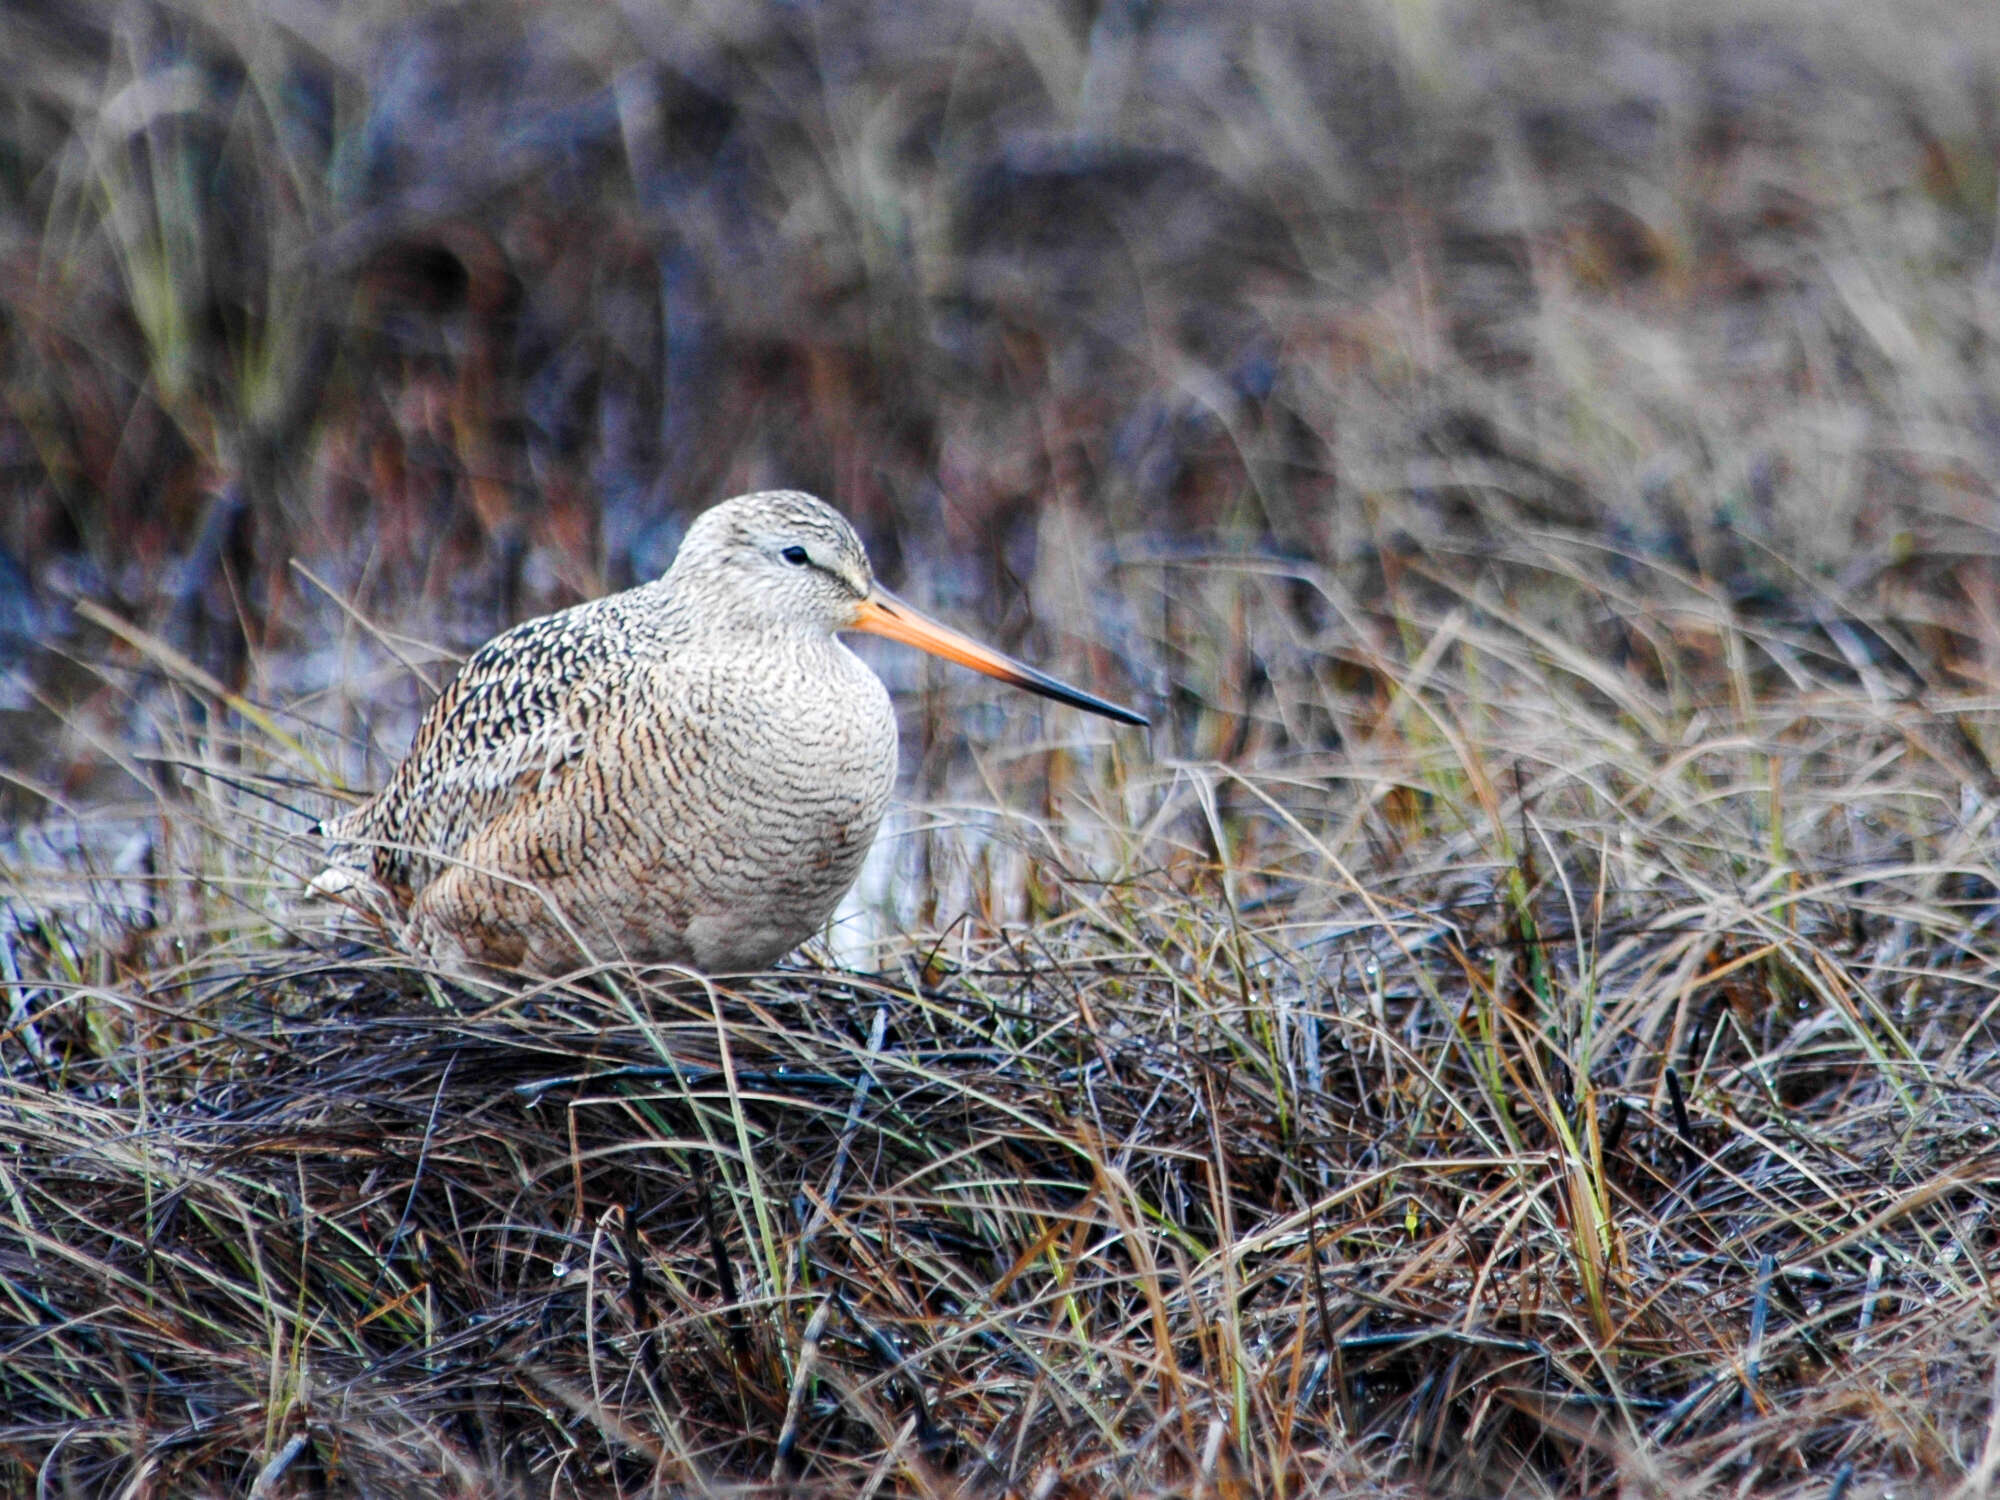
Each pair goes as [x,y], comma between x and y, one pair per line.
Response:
[1563,1087]
[1525,1020]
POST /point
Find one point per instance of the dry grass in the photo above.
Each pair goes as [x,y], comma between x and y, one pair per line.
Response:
[1563,1087]
[1526,1020]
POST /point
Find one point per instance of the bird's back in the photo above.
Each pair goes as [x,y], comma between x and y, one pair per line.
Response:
[510,717]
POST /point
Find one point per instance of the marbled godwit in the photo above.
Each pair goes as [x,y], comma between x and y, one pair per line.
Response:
[688,772]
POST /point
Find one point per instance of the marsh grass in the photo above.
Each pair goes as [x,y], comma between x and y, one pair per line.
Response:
[1525,1020]
[1568,1086]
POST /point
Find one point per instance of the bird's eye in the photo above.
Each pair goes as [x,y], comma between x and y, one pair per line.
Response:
[796,556]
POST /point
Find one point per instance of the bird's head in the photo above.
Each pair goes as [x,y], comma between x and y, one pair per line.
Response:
[781,559]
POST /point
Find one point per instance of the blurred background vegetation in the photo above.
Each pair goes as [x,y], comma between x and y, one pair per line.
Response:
[468,307]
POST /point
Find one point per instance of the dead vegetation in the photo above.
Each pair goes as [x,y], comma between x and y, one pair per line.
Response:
[1526,1022]
[1561,1088]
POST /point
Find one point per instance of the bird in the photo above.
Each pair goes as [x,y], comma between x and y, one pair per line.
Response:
[688,772]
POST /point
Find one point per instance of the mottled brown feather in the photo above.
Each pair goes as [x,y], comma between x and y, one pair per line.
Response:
[689,772]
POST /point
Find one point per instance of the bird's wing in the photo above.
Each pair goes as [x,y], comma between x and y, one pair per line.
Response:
[515,715]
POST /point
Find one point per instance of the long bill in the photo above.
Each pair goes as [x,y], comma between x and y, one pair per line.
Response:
[882,613]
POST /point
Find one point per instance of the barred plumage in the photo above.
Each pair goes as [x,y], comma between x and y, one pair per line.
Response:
[689,772]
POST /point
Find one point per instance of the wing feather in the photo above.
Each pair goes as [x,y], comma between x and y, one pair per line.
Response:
[517,713]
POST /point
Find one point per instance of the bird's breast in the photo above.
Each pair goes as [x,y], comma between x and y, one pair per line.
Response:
[760,789]
[777,767]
